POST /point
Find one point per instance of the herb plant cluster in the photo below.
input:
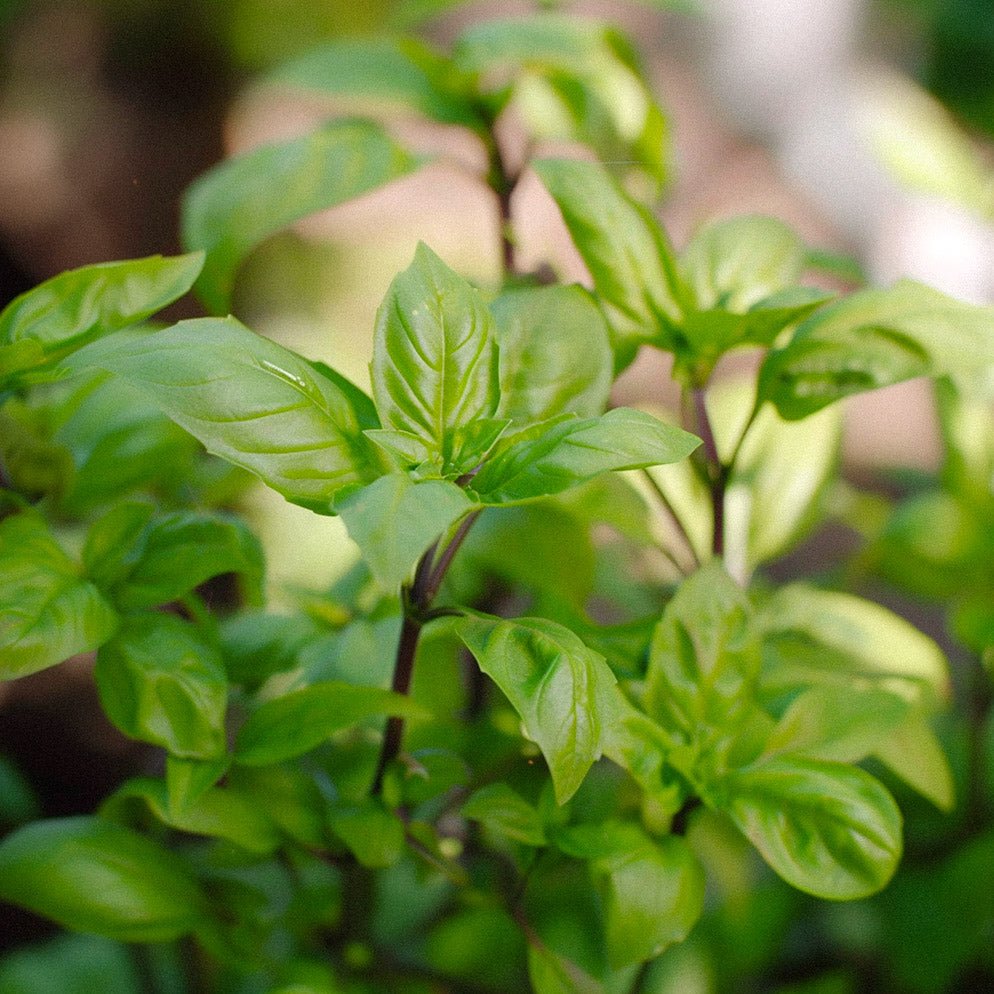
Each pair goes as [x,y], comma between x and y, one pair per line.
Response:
[527,739]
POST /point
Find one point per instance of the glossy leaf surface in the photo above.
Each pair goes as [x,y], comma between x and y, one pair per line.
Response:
[250,401]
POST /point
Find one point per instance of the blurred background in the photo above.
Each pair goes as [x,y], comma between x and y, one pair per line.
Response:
[868,125]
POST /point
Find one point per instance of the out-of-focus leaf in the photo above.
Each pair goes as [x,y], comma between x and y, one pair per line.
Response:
[70,964]
[255,645]
[503,811]
[250,401]
[874,338]
[630,260]
[161,682]
[912,751]
[94,876]
[827,828]
[373,834]
[295,723]
[47,611]
[228,211]
[398,72]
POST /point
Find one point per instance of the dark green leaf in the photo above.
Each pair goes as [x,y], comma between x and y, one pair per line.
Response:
[395,519]
[434,356]
[554,456]
[374,835]
[289,796]
[874,338]
[47,611]
[231,209]
[34,464]
[250,401]
[653,888]
[255,645]
[503,811]
[94,876]
[563,691]
[66,311]
[827,828]
[144,563]
[218,813]
[291,725]
[555,357]
[160,682]
[631,263]
[401,72]
[70,964]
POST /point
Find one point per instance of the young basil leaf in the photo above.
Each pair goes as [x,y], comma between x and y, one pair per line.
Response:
[143,563]
[289,797]
[187,780]
[374,835]
[98,877]
[817,636]
[552,457]
[827,828]
[841,724]
[434,363]
[653,889]
[47,611]
[160,682]
[218,813]
[393,71]
[703,660]
[731,265]
[874,338]
[630,260]
[228,211]
[505,812]
[563,691]
[65,312]
[573,79]
[396,519]
[250,401]
[255,645]
[912,752]
[555,357]
[298,722]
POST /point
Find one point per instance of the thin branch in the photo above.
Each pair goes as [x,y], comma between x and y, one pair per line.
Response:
[675,518]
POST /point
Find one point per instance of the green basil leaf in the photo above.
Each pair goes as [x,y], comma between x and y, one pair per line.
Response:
[630,260]
[68,310]
[298,722]
[874,338]
[563,691]
[818,636]
[187,780]
[573,79]
[703,660]
[827,828]
[160,682]
[217,813]
[47,611]
[34,464]
[555,357]
[228,211]
[374,835]
[255,645]
[505,812]
[289,797]
[401,72]
[553,457]
[143,563]
[912,751]
[396,519]
[841,724]
[653,889]
[435,355]
[550,973]
[94,876]
[250,401]
[733,264]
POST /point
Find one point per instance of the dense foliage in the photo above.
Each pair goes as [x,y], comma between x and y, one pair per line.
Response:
[547,727]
